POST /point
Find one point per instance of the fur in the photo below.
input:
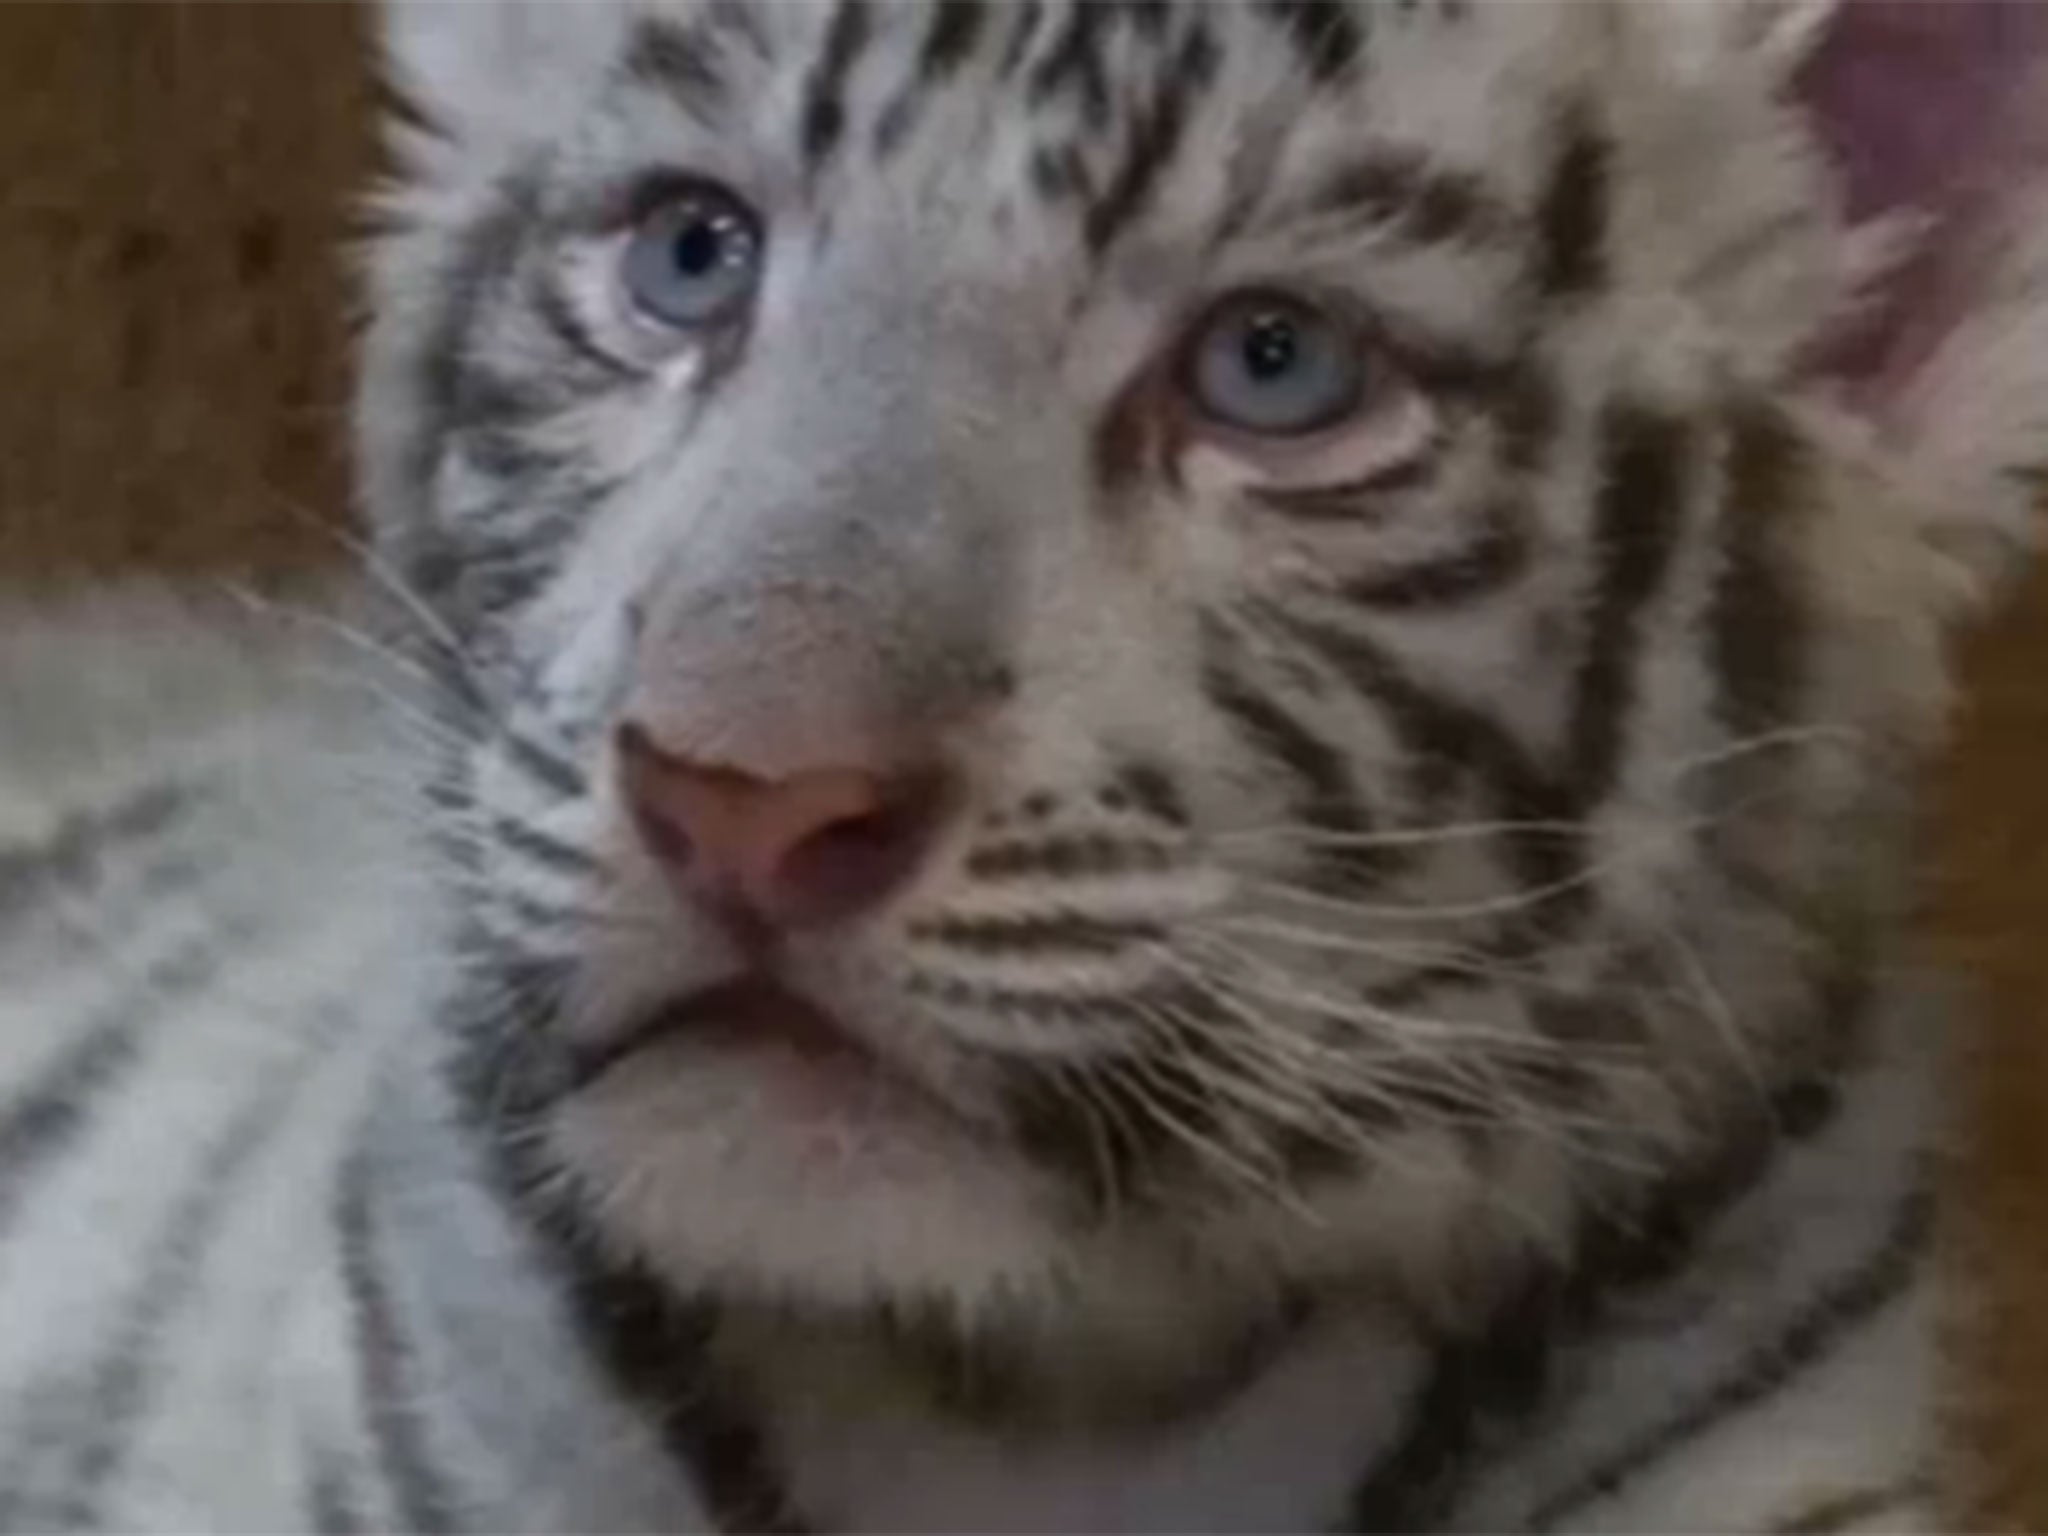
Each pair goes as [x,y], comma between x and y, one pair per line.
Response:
[1402,1025]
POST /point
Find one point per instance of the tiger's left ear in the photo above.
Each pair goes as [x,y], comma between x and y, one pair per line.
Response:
[1933,115]
[1855,193]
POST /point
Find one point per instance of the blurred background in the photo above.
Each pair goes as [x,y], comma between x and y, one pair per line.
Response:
[176,190]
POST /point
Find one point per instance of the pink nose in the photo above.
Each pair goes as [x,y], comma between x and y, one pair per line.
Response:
[809,849]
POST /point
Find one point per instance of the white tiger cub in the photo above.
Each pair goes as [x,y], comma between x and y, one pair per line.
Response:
[1168,794]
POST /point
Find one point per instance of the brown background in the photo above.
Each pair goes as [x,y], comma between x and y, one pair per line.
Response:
[174,188]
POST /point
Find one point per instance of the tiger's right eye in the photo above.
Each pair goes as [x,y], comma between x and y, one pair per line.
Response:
[694,260]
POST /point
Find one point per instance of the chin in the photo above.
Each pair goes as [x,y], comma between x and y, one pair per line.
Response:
[765,1170]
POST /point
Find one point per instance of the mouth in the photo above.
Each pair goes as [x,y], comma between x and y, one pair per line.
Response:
[754,1013]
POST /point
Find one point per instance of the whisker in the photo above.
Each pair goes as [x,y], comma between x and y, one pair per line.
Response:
[1783,738]
[364,556]
[1286,1098]
[1098,1113]
[1530,977]
[1488,1069]
[1139,1075]
[1312,1066]
[433,730]
[1713,1004]
[1319,1117]
[1466,958]
[1402,1029]
[1397,837]
[1489,906]
[335,627]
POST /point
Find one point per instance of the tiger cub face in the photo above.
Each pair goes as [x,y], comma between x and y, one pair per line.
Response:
[1179,640]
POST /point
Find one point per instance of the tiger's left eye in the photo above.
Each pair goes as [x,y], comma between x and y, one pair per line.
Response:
[695,260]
[1274,365]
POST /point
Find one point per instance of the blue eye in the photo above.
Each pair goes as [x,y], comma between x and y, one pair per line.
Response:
[695,260]
[1273,364]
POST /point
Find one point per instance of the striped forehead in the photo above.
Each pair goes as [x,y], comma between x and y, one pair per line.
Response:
[1097,111]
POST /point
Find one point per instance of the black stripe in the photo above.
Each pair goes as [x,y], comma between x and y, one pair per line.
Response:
[1755,623]
[1494,559]
[77,850]
[1058,175]
[53,1112]
[485,255]
[332,1504]
[740,21]
[558,317]
[1151,789]
[1572,215]
[1064,933]
[1446,741]
[1526,414]
[389,102]
[540,848]
[1854,1508]
[506,1073]
[1849,1300]
[383,1359]
[490,411]
[514,917]
[488,588]
[516,967]
[118,1392]
[1326,35]
[1637,519]
[1154,141]
[1431,205]
[43,1123]
[1472,1385]
[1025,19]
[1463,368]
[1151,18]
[541,763]
[950,36]
[824,112]
[1494,1379]
[680,59]
[1074,63]
[1326,798]
[949,40]
[1086,856]
[1447,744]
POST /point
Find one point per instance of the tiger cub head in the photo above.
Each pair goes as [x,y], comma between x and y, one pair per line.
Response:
[1193,645]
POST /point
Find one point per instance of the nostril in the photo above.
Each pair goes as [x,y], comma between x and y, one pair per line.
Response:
[852,863]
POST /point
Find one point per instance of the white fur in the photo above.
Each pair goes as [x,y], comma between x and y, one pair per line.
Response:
[831,552]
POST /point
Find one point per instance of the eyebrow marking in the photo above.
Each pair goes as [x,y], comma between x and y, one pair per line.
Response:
[1430,204]
[824,115]
[679,59]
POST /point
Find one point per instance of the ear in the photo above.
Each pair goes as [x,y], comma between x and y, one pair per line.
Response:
[1855,193]
[489,71]
[1934,114]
